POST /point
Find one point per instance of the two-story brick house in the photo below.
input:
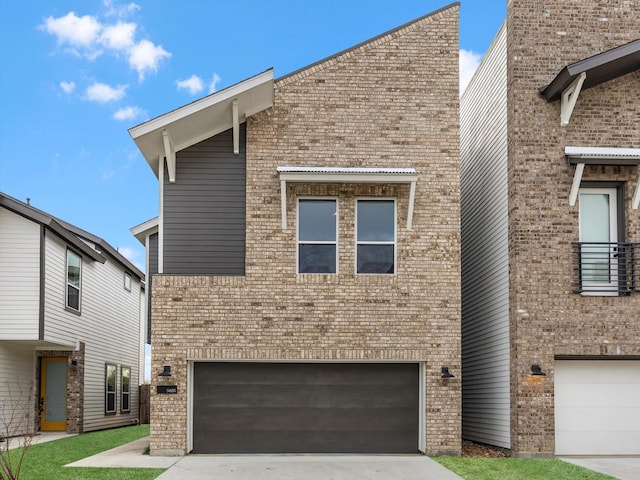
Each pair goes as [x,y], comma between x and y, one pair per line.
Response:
[72,323]
[307,295]
[550,148]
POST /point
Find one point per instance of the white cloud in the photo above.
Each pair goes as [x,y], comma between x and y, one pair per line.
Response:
[89,38]
[469,62]
[145,56]
[73,30]
[119,36]
[103,93]
[68,87]
[129,113]
[193,84]
[119,10]
[213,84]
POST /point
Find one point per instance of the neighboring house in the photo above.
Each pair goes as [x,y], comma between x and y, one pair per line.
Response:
[550,148]
[307,249]
[71,326]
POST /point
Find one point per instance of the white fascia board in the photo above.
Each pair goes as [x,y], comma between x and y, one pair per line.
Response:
[145,229]
[187,110]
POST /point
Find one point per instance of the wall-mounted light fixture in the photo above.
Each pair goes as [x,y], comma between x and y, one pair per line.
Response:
[536,371]
[74,363]
[166,371]
[445,373]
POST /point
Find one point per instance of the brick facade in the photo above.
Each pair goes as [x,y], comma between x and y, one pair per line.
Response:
[390,102]
[547,320]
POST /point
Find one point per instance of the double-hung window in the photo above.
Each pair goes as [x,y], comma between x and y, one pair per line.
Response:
[110,388]
[74,279]
[125,389]
[376,236]
[317,235]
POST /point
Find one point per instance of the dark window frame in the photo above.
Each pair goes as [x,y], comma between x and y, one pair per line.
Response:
[334,243]
[108,393]
[393,243]
[68,285]
[125,396]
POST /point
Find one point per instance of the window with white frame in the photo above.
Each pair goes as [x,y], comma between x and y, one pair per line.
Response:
[74,280]
[375,236]
[125,389]
[110,388]
[317,235]
[127,281]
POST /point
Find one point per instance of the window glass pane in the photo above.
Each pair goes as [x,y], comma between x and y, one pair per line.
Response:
[125,379]
[317,220]
[316,258]
[73,269]
[111,378]
[125,402]
[73,297]
[111,402]
[127,281]
[594,217]
[376,222]
[376,259]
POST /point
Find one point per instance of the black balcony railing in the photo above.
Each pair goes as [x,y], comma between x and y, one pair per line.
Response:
[606,268]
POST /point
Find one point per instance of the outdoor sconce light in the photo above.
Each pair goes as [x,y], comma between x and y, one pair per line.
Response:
[166,371]
[74,363]
[536,371]
[446,374]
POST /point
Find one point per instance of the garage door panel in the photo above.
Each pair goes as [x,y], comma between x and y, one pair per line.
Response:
[365,419]
[318,396]
[305,374]
[589,395]
[269,408]
[597,407]
[292,441]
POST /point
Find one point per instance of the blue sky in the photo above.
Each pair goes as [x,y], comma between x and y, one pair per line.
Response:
[76,75]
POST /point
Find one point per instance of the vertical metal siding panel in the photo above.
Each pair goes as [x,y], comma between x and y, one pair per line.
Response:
[204,211]
[19,277]
[485,267]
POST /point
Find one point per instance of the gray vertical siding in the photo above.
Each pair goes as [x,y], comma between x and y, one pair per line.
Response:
[485,262]
[153,269]
[204,210]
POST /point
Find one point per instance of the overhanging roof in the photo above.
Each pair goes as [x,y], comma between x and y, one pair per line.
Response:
[599,69]
[581,156]
[347,175]
[602,155]
[142,231]
[203,118]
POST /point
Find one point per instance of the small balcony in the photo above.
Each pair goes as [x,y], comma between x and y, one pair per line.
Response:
[601,268]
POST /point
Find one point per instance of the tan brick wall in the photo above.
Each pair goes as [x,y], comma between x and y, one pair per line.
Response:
[392,102]
[548,320]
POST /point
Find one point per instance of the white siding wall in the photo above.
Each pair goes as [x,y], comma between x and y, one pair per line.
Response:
[109,325]
[17,374]
[19,277]
[485,267]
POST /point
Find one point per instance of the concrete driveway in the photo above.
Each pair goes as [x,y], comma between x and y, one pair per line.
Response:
[296,467]
[623,468]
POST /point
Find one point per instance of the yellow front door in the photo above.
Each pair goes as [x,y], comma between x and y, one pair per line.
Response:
[53,393]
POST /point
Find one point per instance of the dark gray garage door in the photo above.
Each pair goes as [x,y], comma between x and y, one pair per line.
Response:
[305,408]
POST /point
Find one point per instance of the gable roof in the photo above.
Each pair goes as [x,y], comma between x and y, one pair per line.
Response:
[203,118]
[599,69]
[71,234]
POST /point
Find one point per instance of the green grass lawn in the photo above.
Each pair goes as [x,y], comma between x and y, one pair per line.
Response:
[517,469]
[46,461]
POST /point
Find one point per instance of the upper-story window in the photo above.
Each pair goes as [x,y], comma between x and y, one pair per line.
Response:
[127,281]
[74,281]
[375,236]
[317,235]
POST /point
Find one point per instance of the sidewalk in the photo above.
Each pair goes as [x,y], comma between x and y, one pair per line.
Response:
[130,455]
[40,437]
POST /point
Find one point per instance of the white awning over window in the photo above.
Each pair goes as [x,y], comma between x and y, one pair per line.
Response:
[581,156]
[346,175]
